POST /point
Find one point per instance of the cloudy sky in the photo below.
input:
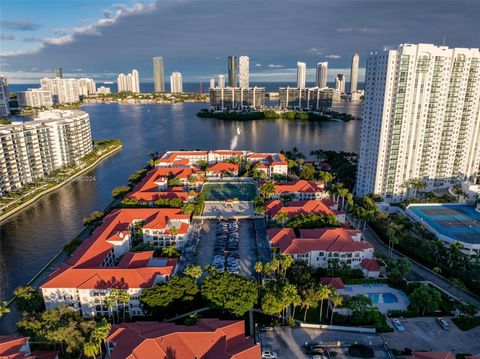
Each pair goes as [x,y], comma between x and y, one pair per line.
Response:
[103,38]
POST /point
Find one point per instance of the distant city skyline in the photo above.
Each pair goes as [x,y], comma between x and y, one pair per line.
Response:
[101,39]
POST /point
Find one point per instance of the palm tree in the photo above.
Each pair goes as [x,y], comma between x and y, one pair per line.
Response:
[100,333]
[296,300]
[91,349]
[123,297]
[259,270]
[267,189]
[327,177]
[310,300]
[343,192]
[336,300]
[111,302]
[281,217]
[193,271]
[392,239]
[3,308]
[285,262]
[324,292]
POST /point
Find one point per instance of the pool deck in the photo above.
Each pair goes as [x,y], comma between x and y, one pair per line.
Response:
[378,288]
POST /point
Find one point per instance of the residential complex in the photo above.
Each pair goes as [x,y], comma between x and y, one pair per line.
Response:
[421,119]
[33,149]
[158,74]
[237,98]
[129,82]
[301,190]
[103,90]
[104,261]
[321,74]
[176,82]
[314,98]
[301,74]
[243,72]
[320,248]
[354,73]
[16,347]
[4,97]
[37,98]
[291,209]
[86,87]
[232,71]
[208,338]
[63,90]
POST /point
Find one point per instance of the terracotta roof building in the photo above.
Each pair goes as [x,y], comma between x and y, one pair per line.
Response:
[104,261]
[208,338]
[301,190]
[15,347]
[320,247]
[221,169]
[295,208]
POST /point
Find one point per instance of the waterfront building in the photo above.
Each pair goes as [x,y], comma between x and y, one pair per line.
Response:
[102,90]
[314,98]
[158,74]
[272,164]
[421,119]
[4,97]
[176,83]
[236,98]
[301,74]
[63,90]
[340,84]
[86,87]
[223,169]
[221,81]
[58,72]
[31,150]
[325,207]
[104,261]
[301,190]
[212,83]
[129,82]
[244,72]
[36,98]
[207,338]
[320,248]
[354,73]
[321,74]
[232,71]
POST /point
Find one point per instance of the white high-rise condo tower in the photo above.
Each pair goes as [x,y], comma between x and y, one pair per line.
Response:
[243,71]
[421,119]
[354,73]
[321,74]
[130,82]
[212,83]
[340,83]
[301,74]
[221,81]
[176,84]
[4,97]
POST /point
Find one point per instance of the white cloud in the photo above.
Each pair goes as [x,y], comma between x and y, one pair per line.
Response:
[363,29]
[273,66]
[258,65]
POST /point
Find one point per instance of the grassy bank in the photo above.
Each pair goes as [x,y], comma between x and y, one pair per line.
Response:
[274,115]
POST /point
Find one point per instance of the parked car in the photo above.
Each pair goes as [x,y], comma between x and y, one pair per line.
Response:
[266,328]
[443,323]
[315,350]
[319,357]
[312,344]
[398,325]
[268,354]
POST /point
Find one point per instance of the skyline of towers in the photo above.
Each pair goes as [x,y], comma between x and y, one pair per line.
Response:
[321,74]
[421,119]
[158,74]
[244,71]
[176,83]
[301,74]
[232,71]
[129,82]
[354,73]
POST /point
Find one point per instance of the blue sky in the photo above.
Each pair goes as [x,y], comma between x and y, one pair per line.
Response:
[103,38]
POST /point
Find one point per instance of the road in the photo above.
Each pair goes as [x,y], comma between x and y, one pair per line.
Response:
[423,271]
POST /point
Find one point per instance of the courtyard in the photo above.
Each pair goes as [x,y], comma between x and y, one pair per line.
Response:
[223,191]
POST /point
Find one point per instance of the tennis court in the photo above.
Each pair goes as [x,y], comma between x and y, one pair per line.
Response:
[222,191]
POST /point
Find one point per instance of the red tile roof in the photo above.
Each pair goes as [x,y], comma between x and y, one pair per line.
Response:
[335,282]
[299,186]
[220,167]
[10,346]
[272,159]
[208,338]
[370,265]
[170,157]
[324,239]
[295,208]
[432,355]
[135,270]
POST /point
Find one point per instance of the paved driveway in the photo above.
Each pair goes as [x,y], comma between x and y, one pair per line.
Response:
[426,334]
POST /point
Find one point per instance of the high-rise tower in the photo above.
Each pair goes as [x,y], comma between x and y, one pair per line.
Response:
[158,74]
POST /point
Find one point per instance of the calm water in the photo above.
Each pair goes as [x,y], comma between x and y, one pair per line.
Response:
[29,239]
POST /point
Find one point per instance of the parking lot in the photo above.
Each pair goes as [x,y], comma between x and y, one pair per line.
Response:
[228,209]
[289,342]
[426,334]
[228,244]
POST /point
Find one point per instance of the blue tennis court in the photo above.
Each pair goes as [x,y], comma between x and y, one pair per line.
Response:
[458,222]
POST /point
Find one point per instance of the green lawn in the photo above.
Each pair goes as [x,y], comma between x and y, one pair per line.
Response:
[465,324]
[223,191]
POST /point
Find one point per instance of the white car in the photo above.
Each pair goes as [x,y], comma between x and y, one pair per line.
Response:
[319,357]
[268,354]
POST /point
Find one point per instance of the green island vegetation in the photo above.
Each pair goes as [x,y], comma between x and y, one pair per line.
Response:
[14,199]
[150,97]
[269,114]
[5,121]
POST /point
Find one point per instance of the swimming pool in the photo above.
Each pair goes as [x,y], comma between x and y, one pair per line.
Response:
[382,298]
